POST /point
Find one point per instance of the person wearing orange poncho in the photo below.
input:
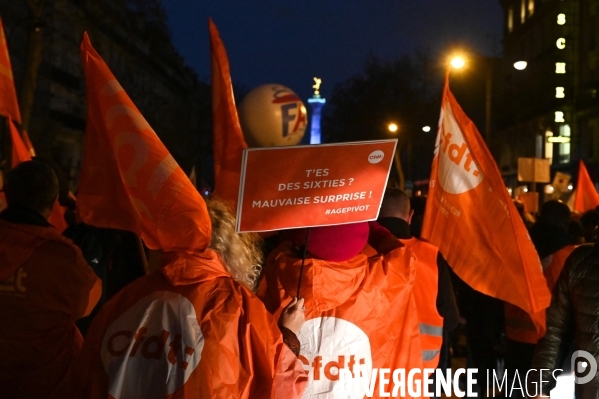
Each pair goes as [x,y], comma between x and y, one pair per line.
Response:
[45,286]
[360,311]
[192,328]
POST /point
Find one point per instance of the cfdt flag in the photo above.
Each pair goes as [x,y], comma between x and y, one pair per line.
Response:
[129,180]
[586,193]
[9,106]
[472,219]
[228,137]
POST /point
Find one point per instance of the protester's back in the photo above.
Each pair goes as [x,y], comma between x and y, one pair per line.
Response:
[45,285]
[360,314]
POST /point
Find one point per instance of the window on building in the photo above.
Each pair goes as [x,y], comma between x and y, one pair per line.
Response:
[548,146]
[539,146]
[531,7]
[564,148]
[522,11]
[510,20]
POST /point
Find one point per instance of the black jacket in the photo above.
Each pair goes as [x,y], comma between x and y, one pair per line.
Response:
[573,315]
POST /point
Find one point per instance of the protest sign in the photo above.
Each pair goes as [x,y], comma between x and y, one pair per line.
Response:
[308,186]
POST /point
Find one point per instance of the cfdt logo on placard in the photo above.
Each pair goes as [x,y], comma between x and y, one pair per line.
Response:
[376,156]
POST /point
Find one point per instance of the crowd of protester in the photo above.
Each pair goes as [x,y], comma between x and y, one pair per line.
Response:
[51,288]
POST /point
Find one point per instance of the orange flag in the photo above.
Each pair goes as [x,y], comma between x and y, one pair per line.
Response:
[586,193]
[9,106]
[228,137]
[19,151]
[129,180]
[472,219]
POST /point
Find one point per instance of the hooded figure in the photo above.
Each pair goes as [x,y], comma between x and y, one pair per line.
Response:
[192,328]
[360,311]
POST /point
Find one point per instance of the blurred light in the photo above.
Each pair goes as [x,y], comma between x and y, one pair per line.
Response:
[426,129]
[548,189]
[392,127]
[561,19]
[520,65]
[558,139]
[457,62]
[509,190]
[570,187]
[525,189]
[561,43]
[206,192]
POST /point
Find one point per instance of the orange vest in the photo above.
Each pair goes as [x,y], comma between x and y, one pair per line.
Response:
[518,324]
[426,285]
[360,315]
[189,331]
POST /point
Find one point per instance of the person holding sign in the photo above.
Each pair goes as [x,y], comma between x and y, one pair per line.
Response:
[360,312]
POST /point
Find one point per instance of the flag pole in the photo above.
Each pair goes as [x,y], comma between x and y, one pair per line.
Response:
[299,283]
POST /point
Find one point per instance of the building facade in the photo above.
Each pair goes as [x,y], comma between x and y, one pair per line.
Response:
[549,109]
[133,39]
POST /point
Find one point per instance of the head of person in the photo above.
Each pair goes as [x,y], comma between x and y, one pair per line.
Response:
[396,204]
[556,213]
[32,185]
[240,252]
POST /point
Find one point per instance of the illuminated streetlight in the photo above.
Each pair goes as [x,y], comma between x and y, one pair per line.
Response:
[392,127]
[520,65]
[426,129]
[457,62]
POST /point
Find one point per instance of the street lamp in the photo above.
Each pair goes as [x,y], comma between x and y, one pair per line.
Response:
[457,62]
[520,65]
[393,128]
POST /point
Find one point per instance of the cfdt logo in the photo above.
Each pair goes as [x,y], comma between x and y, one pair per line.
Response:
[376,156]
[293,112]
[458,172]
[152,339]
[329,344]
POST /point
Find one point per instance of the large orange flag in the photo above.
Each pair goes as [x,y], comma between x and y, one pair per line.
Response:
[9,106]
[472,219]
[586,193]
[129,180]
[228,137]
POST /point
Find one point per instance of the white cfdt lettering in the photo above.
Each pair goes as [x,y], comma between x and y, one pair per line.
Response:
[456,154]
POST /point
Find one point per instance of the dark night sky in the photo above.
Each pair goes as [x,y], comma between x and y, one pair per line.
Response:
[288,42]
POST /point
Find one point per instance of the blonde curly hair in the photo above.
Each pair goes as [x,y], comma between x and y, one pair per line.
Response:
[240,252]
